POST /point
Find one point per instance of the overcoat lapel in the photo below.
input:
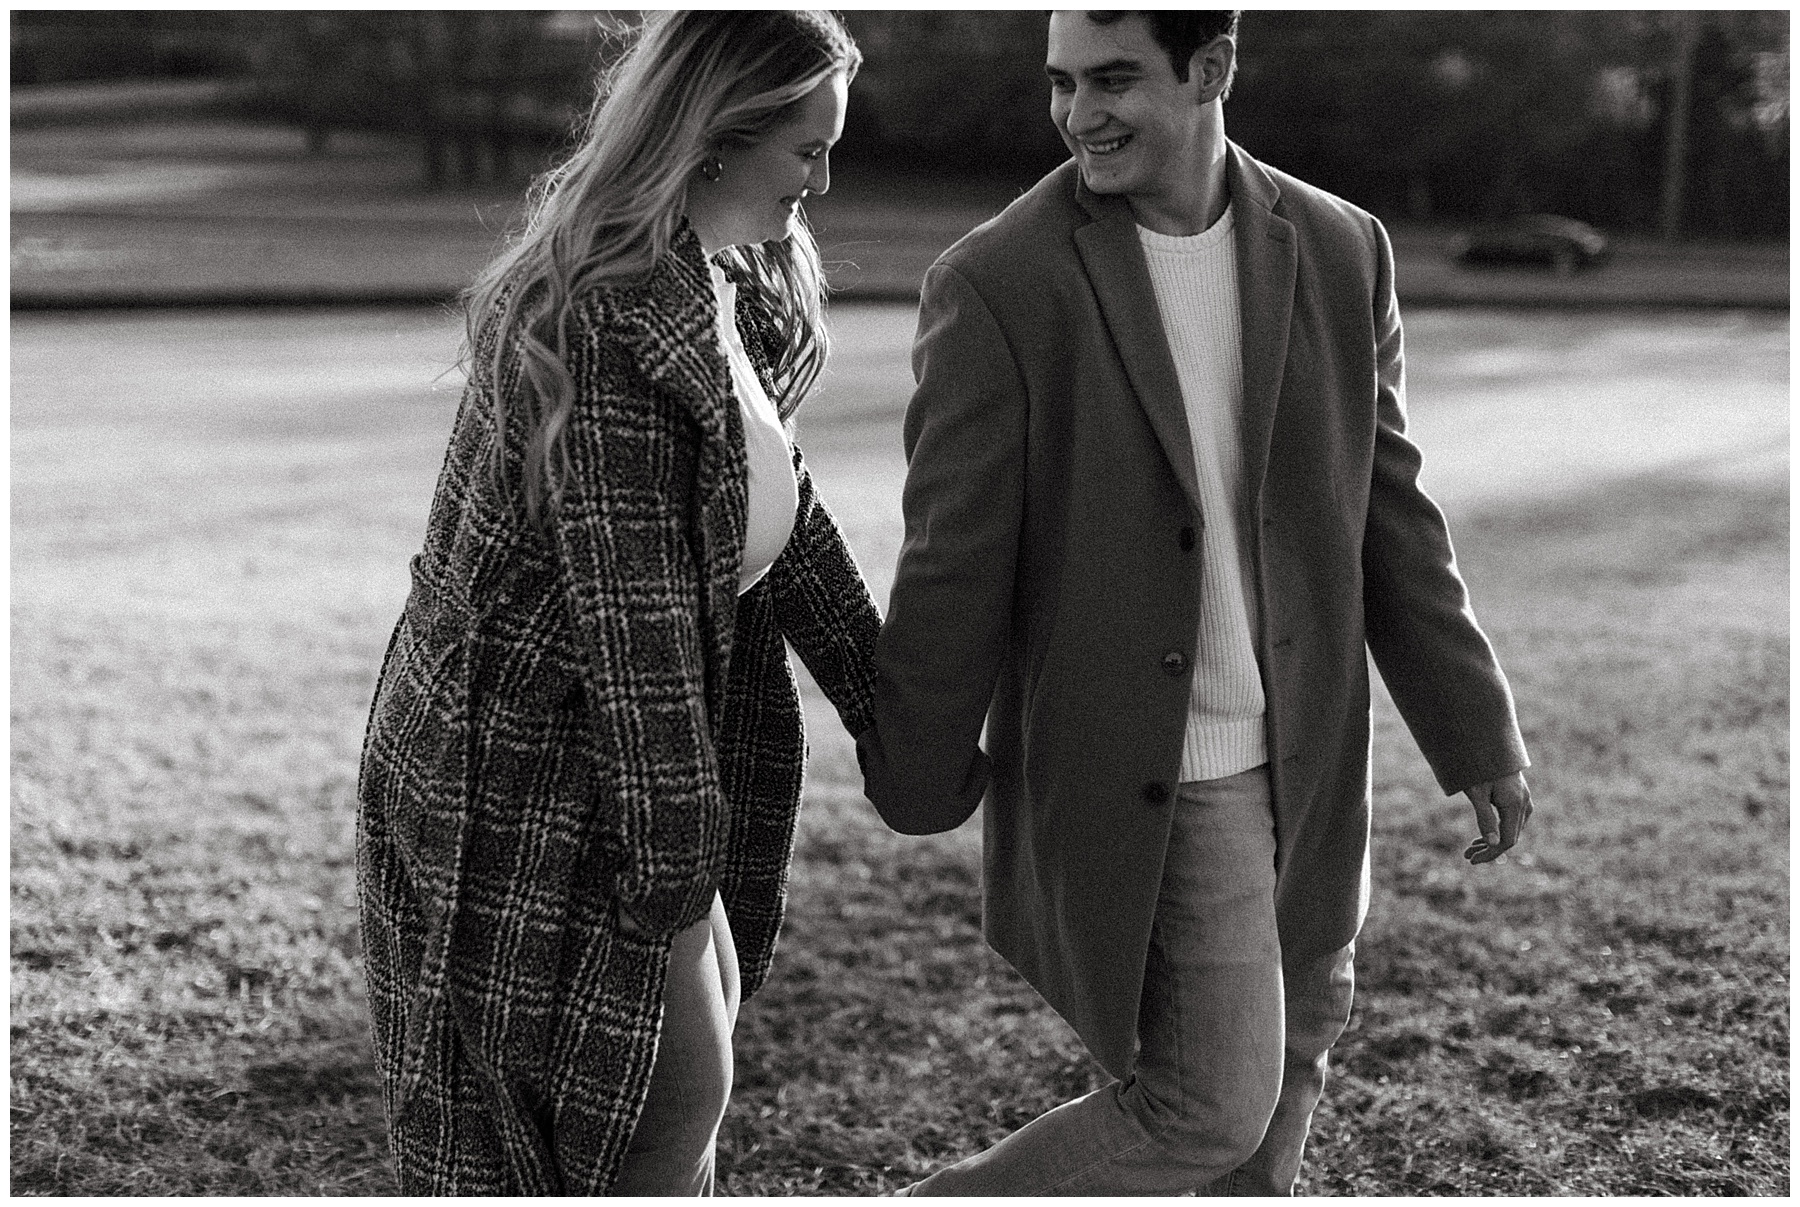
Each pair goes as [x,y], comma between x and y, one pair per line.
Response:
[1115,267]
[1266,257]
[1114,261]
[676,339]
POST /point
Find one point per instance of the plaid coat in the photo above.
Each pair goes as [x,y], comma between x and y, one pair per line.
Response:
[579,720]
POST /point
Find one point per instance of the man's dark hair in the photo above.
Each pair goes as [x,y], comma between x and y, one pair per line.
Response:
[1180,32]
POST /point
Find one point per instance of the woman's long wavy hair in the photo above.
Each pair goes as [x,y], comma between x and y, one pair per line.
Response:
[690,82]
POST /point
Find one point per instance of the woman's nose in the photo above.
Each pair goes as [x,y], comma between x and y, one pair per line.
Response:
[819,181]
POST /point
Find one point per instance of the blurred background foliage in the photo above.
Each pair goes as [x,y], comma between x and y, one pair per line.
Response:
[1670,121]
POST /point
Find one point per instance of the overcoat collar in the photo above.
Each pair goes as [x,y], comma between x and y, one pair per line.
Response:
[1114,261]
[673,332]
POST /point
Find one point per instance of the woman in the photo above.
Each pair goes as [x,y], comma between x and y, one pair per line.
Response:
[584,757]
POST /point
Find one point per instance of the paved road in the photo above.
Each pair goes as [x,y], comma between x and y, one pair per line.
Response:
[202,209]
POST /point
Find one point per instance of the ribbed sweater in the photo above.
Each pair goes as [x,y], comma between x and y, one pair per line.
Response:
[774,491]
[1195,279]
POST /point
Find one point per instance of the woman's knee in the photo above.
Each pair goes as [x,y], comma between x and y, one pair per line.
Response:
[690,1083]
[696,1030]
[691,1079]
[725,953]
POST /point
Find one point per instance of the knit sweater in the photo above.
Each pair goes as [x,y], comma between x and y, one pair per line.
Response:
[773,490]
[1195,280]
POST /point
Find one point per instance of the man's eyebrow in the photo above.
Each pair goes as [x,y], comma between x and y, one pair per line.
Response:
[1110,67]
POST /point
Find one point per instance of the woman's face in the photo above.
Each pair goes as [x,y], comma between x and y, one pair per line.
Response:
[760,188]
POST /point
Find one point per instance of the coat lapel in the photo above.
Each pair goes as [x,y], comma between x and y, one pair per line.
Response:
[676,334]
[1115,267]
[671,319]
[1265,262]
[1264,241]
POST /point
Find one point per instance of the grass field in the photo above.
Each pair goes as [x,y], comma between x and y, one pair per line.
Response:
[209,544]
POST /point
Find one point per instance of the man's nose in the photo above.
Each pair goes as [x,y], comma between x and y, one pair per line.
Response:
[1087,112]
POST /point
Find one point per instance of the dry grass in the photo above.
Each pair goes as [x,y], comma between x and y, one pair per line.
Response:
[198,608]
[1604,1014]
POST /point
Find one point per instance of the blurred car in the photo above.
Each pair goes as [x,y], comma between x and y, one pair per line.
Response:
[1562,244]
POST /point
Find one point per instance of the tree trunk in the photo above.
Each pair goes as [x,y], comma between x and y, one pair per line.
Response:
[1675,144]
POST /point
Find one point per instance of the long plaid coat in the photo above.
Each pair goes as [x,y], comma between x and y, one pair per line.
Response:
[579,720]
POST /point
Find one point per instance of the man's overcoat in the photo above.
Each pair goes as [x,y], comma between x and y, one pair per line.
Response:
[580,720]
[1049,582]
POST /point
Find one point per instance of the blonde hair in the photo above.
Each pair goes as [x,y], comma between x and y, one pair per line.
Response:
[689,83]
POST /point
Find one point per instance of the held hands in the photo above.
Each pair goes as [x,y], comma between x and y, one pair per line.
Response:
[1501,807]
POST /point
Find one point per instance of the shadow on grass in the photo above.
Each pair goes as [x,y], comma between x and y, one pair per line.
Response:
[1603,1014]
[1606,1013]
[307,1123]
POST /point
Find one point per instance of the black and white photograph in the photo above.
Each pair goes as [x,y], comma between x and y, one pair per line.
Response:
[920,602]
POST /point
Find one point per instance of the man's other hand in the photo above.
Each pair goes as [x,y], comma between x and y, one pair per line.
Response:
[1501,807]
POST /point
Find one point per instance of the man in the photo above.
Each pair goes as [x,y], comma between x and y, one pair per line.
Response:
[1159,501]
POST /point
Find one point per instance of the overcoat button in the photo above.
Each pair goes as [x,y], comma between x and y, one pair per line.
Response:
[1156,793]
[1174,662]
[1187,540]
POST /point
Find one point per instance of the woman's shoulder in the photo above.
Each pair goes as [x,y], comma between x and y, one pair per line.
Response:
[655,317]
[676,282]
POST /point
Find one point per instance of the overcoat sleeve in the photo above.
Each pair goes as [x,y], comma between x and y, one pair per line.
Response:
[1433,656]
[623,531]
[823,607]
[949,614]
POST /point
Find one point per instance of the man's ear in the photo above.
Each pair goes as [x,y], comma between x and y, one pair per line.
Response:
[1211,65]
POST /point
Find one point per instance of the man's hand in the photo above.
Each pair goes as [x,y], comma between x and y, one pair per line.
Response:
[1501,807]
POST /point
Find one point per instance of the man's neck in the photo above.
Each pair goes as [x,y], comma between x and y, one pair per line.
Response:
[1200,198]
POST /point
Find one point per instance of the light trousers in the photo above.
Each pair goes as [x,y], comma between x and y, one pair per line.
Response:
[671,1152]
[1232,1042]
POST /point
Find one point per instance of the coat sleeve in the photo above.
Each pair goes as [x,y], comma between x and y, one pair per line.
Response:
[823,607]
[622,531]
[1433,656]
[949,615]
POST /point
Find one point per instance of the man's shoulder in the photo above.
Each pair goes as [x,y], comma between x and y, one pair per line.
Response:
[1309,206]
[1029,237]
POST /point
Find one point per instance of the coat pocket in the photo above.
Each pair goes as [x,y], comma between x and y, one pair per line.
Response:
[414,767]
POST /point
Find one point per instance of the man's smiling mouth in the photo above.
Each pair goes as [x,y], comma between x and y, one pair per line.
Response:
[1106,148]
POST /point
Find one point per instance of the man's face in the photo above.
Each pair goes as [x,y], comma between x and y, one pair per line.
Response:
[1132,126]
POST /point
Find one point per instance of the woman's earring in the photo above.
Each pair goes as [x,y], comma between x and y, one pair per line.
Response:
[712,168]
